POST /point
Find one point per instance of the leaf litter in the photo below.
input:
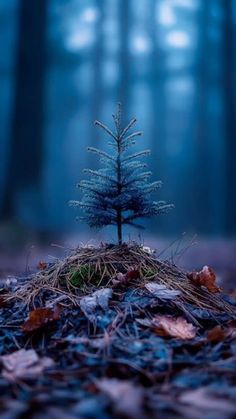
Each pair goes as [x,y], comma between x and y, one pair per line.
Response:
[111,332]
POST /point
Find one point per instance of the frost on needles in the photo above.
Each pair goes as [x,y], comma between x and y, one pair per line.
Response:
[120,192]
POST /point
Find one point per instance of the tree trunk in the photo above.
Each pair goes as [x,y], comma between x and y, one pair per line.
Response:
[124,79]
[25,150]
[97,87]
[119,228]
[230,111]
[158,105]
[201,178]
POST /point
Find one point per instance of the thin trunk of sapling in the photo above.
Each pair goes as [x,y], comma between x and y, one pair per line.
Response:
[119,211]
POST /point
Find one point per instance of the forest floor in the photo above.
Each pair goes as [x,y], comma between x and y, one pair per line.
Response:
[150,342]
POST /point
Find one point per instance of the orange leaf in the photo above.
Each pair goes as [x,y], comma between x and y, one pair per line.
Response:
[133,274]
[42,265]
[175,327]
[206,277]
[40,317]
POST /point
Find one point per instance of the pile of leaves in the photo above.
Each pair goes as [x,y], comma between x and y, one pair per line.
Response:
[122,334]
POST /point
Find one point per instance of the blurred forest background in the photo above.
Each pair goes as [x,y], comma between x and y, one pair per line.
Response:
[65,63]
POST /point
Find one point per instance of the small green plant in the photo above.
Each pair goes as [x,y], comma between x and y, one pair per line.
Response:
[79,276]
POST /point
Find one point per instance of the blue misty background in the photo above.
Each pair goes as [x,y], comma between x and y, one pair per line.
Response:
[64,64]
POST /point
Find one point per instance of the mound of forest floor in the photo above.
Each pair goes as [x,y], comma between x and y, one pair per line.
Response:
[115,332]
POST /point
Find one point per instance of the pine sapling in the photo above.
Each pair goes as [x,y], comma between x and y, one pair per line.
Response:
[120,192]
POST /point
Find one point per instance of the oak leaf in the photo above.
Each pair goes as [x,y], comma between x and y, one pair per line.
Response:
[175,327]
[206,277]
[40,317]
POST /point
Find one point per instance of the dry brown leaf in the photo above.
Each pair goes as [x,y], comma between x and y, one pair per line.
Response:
[24,364]
[42,265]
[206,277]
[175,327]
[217,334]
[133,274]
[121,278]
[40,317]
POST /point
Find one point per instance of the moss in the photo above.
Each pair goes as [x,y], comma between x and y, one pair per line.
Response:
[80,276]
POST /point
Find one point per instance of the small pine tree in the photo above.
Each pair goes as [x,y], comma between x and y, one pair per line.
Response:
[120,192]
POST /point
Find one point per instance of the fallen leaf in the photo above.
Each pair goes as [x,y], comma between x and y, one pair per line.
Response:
[127,398]
[217,334]
[132,274]
[175,327]
[42,265]
[121,278]
[208,404]
[24,364]
[40,317]
[161,291]
[206,277]
[99,298]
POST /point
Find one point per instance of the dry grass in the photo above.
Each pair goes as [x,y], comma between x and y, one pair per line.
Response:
[88,267]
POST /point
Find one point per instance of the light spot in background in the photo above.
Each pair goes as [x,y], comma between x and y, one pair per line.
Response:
[178,60]
[110,72]
[89,15]
[165,14]
[79,40]
[180,85]
[178,39]
[190,4]
[180,94]
[141,44]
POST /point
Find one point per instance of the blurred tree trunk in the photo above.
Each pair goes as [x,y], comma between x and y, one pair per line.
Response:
[125,77]
[229,31]
[25,149]
[157,68]
[201,175]
[97,87]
